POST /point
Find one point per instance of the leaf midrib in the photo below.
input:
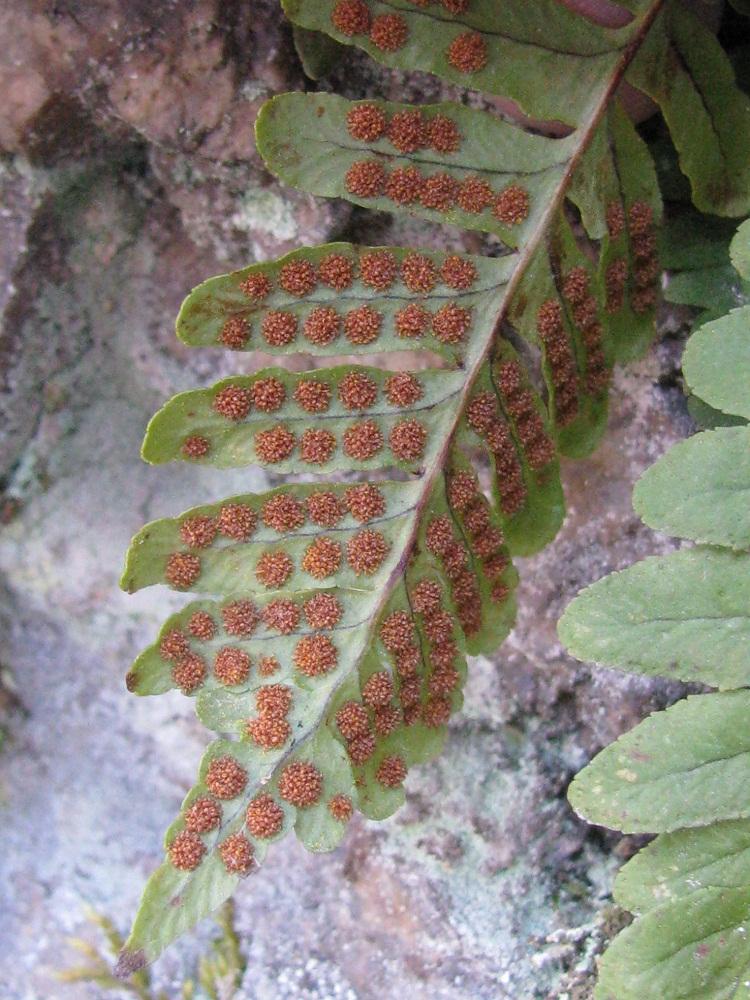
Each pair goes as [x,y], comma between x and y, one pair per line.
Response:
[437,161]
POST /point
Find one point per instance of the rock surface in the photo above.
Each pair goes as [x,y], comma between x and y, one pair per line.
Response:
[128,174]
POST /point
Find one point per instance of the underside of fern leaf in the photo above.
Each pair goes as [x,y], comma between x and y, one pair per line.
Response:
[336,651]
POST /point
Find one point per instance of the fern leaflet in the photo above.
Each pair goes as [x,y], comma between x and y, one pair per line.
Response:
[683,773]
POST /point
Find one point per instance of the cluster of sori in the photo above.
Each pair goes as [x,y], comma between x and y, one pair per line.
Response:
[421,645]
[409,132]
[510,425]
[580,309]
[363,724]
[471,510]
[363,549]
[405,131]
[183,647]
[356,392]
[467,51]
[300,784]
[369,271]
[634,235]
[188,648]
[574,316]
[452,550]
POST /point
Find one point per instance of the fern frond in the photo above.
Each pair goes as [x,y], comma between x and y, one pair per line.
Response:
[683,773]
[336,651]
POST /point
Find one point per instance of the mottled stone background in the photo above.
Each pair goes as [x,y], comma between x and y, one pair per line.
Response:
[128,173]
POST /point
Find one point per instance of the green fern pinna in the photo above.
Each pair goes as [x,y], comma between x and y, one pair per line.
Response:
[684,773]
[331,648]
